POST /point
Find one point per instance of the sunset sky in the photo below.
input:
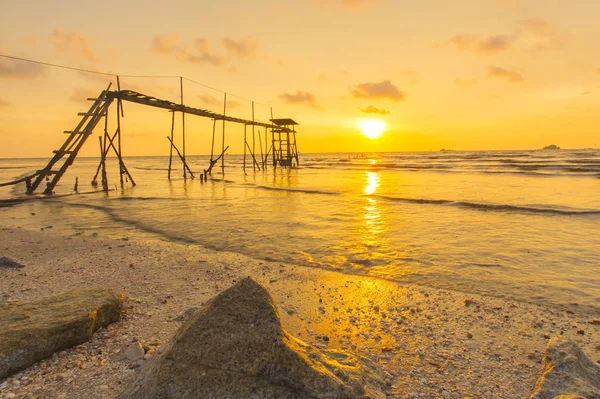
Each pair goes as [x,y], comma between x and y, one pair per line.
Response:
[464,75]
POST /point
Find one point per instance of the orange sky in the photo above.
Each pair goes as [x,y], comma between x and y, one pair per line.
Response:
[477,74]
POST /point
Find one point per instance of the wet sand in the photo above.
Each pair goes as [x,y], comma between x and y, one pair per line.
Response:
[426,342]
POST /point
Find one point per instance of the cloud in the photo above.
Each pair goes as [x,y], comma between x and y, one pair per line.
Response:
[532,35]
[165,43]
[199,53]
[465,82]
[494,44]
[382,90]
[486,46]
[501,73]
[208,100]
[300,97]
[244,48]
[537,26]
[232,104]
[19,69]
[374,110]
[75,45]
[539,35]
[360,3]
[5,104]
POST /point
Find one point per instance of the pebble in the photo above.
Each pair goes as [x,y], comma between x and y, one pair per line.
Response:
[134,352]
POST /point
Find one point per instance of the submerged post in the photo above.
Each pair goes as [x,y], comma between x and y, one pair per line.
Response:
[253,137]
[119,114]
[183,126]
[223,143]
[171,147]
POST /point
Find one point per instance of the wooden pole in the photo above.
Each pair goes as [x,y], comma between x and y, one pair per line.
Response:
[171,147]
[245,143]
[253,138]
[212,146]
[273,139]
[223,143]
[262,159]
[182,125]
[185,165]
[119,112]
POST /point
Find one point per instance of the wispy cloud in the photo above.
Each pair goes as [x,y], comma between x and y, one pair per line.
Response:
[243,48]
[14,69]
[485,46]
[5,104]
[232,104]
[531,35]
[374,110]
[537,26]
[198,53]
[74,45]
[501,73]
[299,97]
[208,100]
[380,90]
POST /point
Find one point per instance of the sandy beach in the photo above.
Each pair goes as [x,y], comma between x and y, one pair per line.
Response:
[425,342]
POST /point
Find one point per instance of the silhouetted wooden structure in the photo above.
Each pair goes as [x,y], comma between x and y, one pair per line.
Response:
[283,150]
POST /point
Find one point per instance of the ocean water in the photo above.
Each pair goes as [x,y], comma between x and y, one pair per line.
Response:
[516,224]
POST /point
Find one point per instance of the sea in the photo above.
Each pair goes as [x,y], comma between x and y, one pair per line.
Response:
[521,225]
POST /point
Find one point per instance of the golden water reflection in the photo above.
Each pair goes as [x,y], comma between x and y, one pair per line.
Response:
[372,182]
[373,222]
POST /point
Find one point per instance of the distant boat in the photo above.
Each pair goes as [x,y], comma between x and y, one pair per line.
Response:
[551,147]
[445,150]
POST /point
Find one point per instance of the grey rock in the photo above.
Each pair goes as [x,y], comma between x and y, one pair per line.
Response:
[8,263]
[234,347]
[567,373]
[34,331]
[135,352]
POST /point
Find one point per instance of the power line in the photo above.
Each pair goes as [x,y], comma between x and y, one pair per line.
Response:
[123,76]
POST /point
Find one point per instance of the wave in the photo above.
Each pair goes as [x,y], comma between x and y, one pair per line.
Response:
[297,190]
[494,207]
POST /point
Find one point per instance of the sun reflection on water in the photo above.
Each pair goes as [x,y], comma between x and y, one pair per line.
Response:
[372,182]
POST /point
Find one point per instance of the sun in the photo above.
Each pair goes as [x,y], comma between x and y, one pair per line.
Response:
[372,128]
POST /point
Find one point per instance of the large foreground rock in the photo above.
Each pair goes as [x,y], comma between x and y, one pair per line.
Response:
[234,347]
[568,373]
[34,331]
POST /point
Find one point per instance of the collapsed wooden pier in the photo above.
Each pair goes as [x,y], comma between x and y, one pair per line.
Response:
[282,150]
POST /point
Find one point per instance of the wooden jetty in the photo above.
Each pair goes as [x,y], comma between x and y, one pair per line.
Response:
[282,149]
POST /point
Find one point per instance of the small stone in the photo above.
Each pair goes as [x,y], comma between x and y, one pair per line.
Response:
[580,332]
[134,352]
[469,335]
[10,395]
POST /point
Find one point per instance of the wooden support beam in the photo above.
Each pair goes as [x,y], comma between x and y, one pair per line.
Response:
[212,163]
[185,165]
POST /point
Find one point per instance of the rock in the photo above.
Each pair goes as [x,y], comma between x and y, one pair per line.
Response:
[34,331]
[8,263]
[135,352]
[567,373]
[234,347]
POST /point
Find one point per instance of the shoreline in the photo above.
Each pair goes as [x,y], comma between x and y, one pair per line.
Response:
[426,342]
